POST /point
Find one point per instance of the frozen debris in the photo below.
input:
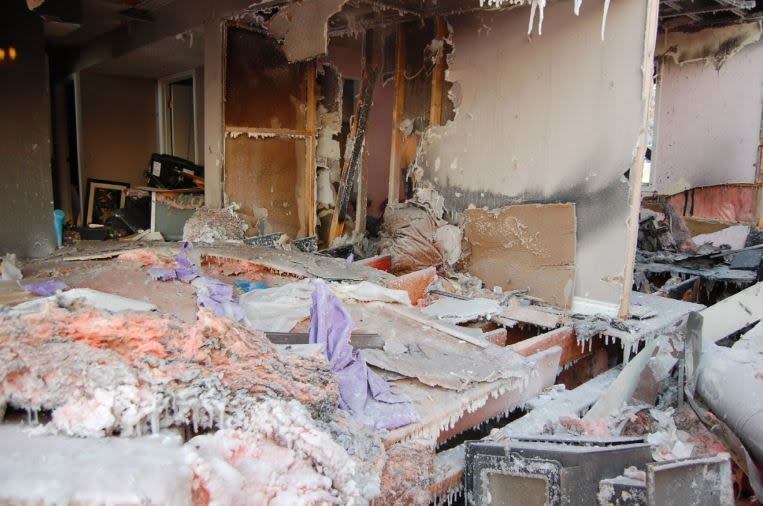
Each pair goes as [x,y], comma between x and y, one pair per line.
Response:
[455,311]
[214,225]
[8,269]
[362,392]
[640,380]
[282,457]
[734,236]
[667,441]
[103,373]
[452,370]
[54,469]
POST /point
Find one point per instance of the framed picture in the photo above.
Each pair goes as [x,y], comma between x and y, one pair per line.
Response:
[103,198]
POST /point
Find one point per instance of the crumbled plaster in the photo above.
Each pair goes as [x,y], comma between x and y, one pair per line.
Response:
[711,45]
[303,27]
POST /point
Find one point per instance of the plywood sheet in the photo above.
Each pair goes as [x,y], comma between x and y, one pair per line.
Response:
[524,247]
[261,88]
[265,176]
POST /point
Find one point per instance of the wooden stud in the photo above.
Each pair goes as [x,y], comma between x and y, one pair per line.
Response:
[438,75]
[637,167]
[393,195]
[353,163]
[312,143]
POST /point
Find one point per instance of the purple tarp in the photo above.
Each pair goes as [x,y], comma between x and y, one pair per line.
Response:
[45,288]
[211,293]
[362,392]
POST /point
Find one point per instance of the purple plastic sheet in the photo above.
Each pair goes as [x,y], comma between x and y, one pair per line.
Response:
[45,288]
[211,293]
[362,392]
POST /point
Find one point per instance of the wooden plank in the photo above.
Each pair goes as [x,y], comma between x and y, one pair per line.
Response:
[563,337]
[361,201]
[637,166]
[438,75]
[395,155]
[312,143]
[524,247]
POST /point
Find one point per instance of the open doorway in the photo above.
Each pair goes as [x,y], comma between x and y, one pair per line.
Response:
[177,116]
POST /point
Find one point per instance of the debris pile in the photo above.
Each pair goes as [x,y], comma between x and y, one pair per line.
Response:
[214,225]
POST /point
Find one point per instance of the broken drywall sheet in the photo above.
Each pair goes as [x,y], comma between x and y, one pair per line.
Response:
[569,117]
[711,45]
[302,26]
[525,246]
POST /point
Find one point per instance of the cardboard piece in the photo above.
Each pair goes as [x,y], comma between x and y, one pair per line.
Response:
[524,247]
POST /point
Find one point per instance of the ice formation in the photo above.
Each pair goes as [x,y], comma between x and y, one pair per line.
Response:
[539,6]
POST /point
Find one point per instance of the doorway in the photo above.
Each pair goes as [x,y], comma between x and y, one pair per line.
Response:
[177,116]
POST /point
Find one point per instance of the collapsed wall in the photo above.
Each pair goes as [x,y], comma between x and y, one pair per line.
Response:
[552,118]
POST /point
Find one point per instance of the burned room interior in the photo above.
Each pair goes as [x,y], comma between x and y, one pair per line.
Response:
[381,252]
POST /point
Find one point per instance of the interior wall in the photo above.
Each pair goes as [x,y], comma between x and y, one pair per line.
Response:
[118,127]
[26,187]
[551,118]
[708,122]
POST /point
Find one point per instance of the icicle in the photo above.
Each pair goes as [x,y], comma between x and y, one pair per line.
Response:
[537,4]
[604,19]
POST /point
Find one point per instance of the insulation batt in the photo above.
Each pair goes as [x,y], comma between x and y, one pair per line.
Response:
[102,373]
[283,458]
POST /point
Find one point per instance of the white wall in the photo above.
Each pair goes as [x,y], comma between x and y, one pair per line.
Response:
[708,122]
[554,118]
[118,127]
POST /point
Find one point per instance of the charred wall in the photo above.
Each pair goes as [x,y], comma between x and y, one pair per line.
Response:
[551,118]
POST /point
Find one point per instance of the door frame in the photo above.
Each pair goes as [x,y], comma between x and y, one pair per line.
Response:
[163,126]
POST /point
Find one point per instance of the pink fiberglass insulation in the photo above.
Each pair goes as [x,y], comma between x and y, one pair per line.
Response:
[102,373]
[283,458]
[407,477]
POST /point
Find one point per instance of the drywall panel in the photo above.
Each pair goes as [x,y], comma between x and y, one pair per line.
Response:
[118,127]
[708,122]
[265,177]
[524,247]
[26,187]
[552,118]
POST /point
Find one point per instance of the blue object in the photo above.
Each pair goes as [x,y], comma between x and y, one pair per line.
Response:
[58,221]
[248,286]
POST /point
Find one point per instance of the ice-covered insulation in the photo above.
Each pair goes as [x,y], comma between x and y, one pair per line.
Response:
[539,7]
[128,373]
[283,458]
